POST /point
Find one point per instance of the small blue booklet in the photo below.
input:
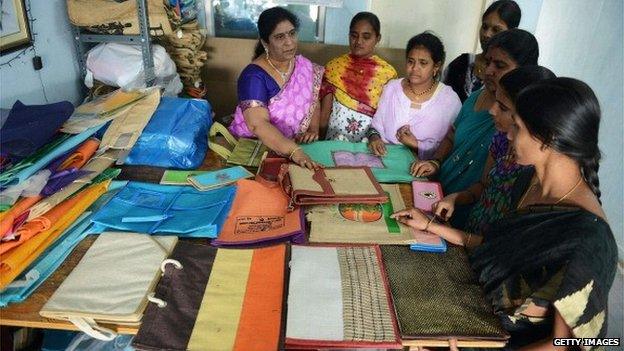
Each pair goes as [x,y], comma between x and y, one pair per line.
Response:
[428,242]
[218,178]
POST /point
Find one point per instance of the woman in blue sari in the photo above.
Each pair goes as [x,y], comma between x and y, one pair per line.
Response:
[459,160]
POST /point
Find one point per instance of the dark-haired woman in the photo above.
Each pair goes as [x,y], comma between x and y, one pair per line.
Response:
[492,193]
[353,82]
[547,267]
[461,157]
[465,73]
[278,91]
[418,110]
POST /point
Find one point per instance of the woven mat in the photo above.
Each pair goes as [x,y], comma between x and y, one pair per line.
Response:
[436,296]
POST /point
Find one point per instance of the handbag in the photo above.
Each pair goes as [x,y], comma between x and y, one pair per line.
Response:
[243,152]
[330,185]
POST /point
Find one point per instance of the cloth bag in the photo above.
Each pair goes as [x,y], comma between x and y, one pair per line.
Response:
[392,168]
[330,185]
[175,136]
[155,208]
[217,300]
[338,297]
[259,215]
[111,282]
[244,152]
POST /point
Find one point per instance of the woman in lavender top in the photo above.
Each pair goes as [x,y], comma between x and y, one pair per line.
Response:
[417,110]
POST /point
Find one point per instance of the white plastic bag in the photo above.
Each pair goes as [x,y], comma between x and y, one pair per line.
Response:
[121,65]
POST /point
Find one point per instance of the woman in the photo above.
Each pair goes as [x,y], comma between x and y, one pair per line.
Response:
[416,111]
[465,73]
[278,91]
[493,191]
[539,265]
[353,82]
[461,157]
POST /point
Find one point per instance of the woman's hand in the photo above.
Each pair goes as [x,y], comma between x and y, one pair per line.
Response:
[376,145]
[412,218]
[302,159]
[405,136]
[424,169]
[307,137]
[445,207]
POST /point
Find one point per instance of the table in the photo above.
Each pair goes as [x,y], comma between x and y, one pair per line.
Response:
[26,314]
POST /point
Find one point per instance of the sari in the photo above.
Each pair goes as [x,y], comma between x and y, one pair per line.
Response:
[546,255]
[356,84]
[290,109]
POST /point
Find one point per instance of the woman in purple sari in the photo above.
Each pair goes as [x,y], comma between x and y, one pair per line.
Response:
[278,91]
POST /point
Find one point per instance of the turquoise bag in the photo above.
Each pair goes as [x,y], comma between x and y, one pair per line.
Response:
[392,168]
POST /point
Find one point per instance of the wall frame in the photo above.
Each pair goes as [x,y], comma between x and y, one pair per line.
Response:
[14,30]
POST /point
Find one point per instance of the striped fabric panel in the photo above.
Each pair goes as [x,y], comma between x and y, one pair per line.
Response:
[366,312]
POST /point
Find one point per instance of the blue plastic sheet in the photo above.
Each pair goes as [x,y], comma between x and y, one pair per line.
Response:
[176,135]
[165,209]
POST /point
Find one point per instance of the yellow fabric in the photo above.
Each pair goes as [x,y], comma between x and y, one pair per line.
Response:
[219,313]
[15,261]
[358,82]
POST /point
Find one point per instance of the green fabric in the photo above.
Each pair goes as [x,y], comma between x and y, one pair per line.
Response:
[391,223]
[248,152]
[397,160]
[436,295]
[473,134]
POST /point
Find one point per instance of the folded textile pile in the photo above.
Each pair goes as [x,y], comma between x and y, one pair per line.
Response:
[186,49]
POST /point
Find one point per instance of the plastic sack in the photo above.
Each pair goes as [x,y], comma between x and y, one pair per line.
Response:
[121,65]
[83,342]
[176,135]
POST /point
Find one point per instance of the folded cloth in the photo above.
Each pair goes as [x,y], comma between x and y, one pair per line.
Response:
[81,155]
[65,144]
[111,283]
[338,297]
[260,214]
[155,208]
[394,167]
[217,300]
[13,262]
[27,128]
[50,259]
[8,218]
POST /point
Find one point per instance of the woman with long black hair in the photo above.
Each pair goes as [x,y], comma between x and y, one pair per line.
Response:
[548,266]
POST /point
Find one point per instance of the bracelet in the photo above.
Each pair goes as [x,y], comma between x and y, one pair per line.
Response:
[468,239]
[436,163]
[429,223]
[293,152]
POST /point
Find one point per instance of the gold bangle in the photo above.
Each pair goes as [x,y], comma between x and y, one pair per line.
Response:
[429,223]
[293,152]
[436,163]
[468,240]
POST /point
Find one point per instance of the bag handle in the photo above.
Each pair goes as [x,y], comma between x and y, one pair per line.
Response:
[91,328]
[216,129]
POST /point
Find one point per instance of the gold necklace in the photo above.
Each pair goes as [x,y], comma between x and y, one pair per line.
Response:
[556,202]
[409,85]
[283,75]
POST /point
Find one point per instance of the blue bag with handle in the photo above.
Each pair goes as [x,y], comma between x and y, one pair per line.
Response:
[176,135]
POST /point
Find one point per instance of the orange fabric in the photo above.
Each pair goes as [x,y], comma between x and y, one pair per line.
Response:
[22,205]
[41,223]
[263,297]
[82,154]
[259,212]
[15,261]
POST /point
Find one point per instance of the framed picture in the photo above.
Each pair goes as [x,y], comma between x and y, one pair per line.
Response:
[14,32]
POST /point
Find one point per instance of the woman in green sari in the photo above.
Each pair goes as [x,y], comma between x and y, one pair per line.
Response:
[459,160]
[548,266]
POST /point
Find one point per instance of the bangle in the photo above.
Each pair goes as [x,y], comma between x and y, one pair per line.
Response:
[468,239]
[293,152]
[429,223]
[436,163]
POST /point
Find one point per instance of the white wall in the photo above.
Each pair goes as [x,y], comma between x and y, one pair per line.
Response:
[456,22]
[59,78]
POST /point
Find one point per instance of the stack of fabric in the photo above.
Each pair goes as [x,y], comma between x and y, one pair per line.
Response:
[186,49]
